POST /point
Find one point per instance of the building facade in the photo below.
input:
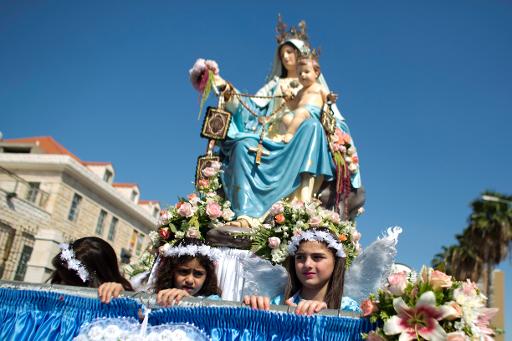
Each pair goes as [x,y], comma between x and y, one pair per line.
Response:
[48,196]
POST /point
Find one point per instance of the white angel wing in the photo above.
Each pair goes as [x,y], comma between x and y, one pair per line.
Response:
[369,271]
[262,278]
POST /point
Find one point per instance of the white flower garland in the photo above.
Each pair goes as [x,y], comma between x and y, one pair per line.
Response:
[190,250]
[314,235]
[68,255]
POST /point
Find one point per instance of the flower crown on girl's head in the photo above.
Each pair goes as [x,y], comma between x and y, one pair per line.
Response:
[68,255]
[290,222]
[193,250]
[316,235]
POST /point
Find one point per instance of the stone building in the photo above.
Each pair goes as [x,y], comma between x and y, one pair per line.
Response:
[48,196]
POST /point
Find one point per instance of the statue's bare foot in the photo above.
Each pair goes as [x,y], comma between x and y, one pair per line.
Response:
[240,222]
[231,234]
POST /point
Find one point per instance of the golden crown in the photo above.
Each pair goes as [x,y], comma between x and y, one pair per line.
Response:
[293,33]
[311,53]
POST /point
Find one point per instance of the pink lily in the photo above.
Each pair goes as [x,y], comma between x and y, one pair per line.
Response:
[421,320]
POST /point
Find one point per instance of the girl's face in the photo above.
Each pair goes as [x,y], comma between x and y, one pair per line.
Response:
[288,57]
[190,276]
[314,264]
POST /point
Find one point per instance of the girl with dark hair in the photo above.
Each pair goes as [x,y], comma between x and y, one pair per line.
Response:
[316,268]
[186,269]
[90,262]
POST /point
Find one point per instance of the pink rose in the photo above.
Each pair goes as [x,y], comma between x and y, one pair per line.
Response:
[216,165]
[440,280]
[193,198]
[457,336]
[185,210]
[355,159]
[274,242]
[164,218]
[209,172]
[454,311]
[356,236]
[335,217]
[397,283]
[213,210]
[193,233]
[369,307]
[203,183]
[277,208]
[315,221]
[198,74]
[297,204]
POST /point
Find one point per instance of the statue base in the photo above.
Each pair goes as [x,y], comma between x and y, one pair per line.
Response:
[229,236]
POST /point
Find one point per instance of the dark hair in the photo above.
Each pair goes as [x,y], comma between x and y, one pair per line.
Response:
[334,288]
[98,258]
[168,265]
[284,72]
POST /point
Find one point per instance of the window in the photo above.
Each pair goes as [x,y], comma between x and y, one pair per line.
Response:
[112,228]
[155,212]
[140,241]
[22,265]
[101,222]
[32,191]
[75,206]
[107,176]
[134,196]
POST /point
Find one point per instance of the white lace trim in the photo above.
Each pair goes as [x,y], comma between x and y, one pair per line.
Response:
[319,236]
[191,250]
[68,255]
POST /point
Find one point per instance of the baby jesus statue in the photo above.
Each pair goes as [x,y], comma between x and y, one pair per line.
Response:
[309,100]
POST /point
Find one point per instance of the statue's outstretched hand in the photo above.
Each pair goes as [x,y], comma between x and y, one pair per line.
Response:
[287,94]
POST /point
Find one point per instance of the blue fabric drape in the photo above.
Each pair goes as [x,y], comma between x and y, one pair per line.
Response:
[40,315]
[247,324]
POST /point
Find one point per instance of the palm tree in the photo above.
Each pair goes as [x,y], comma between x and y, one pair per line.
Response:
[490,228]
[485,243]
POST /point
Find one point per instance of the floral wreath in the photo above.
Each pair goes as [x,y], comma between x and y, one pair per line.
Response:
[68,255]
[290,222]
[315,235]
[167,250]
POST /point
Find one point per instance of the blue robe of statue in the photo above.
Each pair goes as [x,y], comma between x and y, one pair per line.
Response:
[253,189]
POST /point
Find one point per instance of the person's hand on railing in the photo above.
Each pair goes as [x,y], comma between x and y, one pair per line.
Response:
[257,302]
[169,297]
[307,307]
[108,290]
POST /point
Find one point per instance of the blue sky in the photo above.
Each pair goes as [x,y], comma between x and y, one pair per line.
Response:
[426,88]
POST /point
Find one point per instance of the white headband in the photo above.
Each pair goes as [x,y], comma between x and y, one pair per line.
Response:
[190,250]
[314,235]
[68,255]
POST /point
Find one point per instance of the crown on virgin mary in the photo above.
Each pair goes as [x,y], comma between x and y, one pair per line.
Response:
[293,33]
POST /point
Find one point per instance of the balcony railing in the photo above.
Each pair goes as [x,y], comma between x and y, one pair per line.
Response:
[17,187]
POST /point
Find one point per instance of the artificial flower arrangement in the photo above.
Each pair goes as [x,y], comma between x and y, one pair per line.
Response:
[288,218]
[432,306]
[146,260]
[341,145]
[202,210]
[202,76]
